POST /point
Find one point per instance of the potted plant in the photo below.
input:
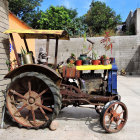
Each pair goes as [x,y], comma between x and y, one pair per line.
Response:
[83,56]
[86,61]
[107,42]
[27,56]
[11,64]
[95,61]
[85,51]
[105,60]
[71,59]
[78,62]
[108,46]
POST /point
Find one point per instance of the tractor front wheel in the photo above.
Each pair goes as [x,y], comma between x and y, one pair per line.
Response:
[113,116]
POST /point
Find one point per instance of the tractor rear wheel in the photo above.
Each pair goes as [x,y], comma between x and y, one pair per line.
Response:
[33,100]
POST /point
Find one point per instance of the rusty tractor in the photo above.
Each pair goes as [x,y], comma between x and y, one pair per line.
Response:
[38,92]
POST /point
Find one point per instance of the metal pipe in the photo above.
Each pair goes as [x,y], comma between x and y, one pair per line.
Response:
[47,47]
[56,51]
[26,45]
[90,41]
[101,99]
[14,47]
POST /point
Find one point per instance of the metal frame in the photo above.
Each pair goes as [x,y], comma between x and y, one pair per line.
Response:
[26,45]
[56,52]
[14,47]
[41,34]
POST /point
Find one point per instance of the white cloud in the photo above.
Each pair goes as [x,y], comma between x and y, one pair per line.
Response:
[65,3]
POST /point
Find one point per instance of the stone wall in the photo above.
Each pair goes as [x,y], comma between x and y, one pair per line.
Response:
[128,20]
[133,19]
[138,22]
[126,50]
[4,50]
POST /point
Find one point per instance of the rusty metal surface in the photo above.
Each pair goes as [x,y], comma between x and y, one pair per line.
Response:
[40,34]
[35,68]
[47,47]
[28,109]
[72,95]
[114,117]
[94,85]
[70,72]
[56,51]
[14,47]
[26,45]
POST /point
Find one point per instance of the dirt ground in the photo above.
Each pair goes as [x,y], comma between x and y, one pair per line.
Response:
[83,124]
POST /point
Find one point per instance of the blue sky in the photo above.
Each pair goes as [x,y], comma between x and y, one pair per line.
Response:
[121,7]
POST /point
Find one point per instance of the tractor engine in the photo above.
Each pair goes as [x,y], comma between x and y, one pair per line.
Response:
[93,83]
[88,81]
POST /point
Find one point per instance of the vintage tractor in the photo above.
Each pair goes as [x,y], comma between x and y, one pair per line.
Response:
[37,92]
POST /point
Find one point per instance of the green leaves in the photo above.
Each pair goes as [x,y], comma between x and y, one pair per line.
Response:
[61,18]
[54,18]
[101,17]
[24,9]
[98,18]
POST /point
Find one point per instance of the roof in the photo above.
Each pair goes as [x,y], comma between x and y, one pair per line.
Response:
[20,20]
[40,34]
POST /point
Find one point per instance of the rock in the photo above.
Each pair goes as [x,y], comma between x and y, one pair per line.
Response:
[53,125]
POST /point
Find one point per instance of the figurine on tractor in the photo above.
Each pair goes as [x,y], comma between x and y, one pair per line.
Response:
[37,92]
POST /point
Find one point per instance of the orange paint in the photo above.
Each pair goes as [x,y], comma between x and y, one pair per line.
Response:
[16,23]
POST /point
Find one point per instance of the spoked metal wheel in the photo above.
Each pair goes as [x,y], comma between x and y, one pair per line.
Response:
[33,100]
[114,116]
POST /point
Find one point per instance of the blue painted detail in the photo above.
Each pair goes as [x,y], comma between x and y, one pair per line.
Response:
[11,47]
[112,80]
[114,67]
[109,80]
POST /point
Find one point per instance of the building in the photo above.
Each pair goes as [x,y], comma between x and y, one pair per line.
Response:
[133,21]
[16,23]
[4,51]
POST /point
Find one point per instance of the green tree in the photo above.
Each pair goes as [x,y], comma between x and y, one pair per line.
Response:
[101,17]
[54,18]
[24,9]
[77,27]
[61,18]
[72,12]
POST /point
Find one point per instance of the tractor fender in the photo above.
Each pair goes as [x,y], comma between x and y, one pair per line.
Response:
[44,69]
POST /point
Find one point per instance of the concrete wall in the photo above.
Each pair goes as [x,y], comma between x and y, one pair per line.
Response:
[4,50]
[138,22]
[134,19]
[128,20]
[126,50]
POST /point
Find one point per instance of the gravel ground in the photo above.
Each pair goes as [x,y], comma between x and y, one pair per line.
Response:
[83,124]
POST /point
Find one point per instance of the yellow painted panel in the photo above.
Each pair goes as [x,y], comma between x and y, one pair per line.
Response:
[94,67]
[40,34]
[32,31]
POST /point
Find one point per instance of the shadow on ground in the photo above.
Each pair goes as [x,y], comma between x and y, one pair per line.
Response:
[133,66]
[88,115]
